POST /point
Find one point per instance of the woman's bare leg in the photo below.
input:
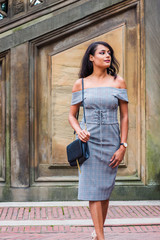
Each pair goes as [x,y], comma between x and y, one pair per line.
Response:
[105,205]
[97,217]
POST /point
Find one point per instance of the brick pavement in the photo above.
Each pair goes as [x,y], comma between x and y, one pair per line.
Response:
[18,214]
[75,233]
[80,212]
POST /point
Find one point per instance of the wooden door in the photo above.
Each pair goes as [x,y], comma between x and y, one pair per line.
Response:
[57,61]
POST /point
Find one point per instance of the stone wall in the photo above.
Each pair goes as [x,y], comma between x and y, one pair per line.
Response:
[152,29]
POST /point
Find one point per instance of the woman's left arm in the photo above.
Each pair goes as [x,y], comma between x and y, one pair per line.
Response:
[123,106]
[119,154]
[123,121]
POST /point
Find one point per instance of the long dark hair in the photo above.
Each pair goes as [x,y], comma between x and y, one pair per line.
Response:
[87,65]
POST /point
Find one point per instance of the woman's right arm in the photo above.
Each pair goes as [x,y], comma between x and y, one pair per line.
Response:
[83,134]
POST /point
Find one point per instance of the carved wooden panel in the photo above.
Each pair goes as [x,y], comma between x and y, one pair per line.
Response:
[18,6]
[57,63]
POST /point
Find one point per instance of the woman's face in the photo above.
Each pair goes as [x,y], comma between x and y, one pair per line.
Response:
[102,57]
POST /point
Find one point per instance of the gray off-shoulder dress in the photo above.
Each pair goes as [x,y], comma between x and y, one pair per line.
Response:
[97,179]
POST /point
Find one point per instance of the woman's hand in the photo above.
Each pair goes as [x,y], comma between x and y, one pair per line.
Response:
[117,157]
[83,135]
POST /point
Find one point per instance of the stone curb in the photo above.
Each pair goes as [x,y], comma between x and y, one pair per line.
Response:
[84,223]
[77,203]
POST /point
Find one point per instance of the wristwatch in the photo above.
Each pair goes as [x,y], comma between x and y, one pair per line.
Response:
[124,144]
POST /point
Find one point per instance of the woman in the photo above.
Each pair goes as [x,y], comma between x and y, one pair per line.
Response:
[104,91]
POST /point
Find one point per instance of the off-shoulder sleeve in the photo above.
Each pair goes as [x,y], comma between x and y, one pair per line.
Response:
[76,97]
[121,94]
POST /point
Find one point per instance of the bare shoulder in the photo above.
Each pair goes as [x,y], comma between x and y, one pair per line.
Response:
[121,82]
[77,85]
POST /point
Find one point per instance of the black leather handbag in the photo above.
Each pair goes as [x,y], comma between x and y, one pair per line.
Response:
[78,151]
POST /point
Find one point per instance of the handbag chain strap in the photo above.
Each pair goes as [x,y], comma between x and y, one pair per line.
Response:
[83,107]
[83,104]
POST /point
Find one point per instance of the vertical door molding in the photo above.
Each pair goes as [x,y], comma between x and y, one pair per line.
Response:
[4,118]
[19,116]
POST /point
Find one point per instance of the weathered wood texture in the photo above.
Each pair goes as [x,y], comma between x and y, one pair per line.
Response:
[2,117]
[19,116]
[152,29]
